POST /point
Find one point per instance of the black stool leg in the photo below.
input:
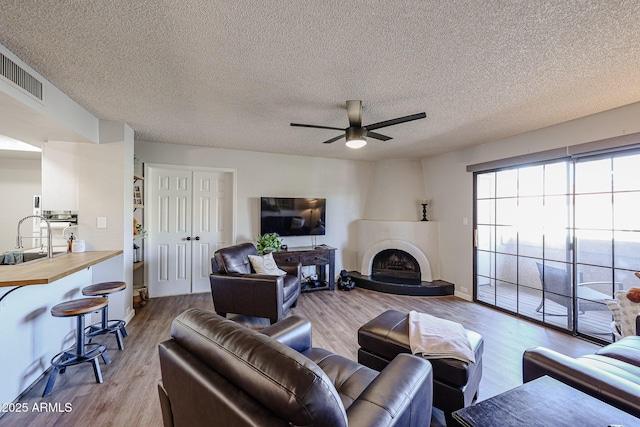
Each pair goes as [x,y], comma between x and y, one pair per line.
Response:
[105,316]
[120,332]
[119,339]
[65,356]
[50,382]
[116,332]
[80,335]
[105,357]
[96,369]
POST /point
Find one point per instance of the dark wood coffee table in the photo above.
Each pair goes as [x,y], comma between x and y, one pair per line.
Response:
[543,402]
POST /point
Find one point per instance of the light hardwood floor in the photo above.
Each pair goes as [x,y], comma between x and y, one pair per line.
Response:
[128,396]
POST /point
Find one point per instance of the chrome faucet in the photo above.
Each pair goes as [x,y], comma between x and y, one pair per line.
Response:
[49,236]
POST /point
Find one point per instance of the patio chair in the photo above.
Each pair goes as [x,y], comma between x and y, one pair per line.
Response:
[557,287]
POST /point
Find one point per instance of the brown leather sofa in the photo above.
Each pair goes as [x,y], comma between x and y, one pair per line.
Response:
[612,374]
[216,372]
[236,288]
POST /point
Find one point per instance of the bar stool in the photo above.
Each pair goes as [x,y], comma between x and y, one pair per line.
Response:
[106,326]
[81,352]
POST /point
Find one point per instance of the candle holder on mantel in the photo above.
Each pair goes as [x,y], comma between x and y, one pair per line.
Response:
[424,210]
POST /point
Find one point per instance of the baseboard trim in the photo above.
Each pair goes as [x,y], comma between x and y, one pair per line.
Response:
[130,316]
[464,296]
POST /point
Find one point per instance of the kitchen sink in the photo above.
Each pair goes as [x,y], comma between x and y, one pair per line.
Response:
[30,257]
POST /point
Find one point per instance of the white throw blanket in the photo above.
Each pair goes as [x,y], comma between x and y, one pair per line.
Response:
[437,338]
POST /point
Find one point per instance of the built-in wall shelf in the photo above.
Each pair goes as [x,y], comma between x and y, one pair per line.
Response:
[141,297]
[137,192]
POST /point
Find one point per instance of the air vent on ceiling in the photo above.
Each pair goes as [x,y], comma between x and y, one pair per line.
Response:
[19,77]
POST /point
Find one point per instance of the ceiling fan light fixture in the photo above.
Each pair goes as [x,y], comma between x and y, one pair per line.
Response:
[356,134]
[356,137]
[356,142]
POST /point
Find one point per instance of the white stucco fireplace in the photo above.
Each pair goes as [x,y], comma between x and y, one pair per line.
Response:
[418,238]
[397,252]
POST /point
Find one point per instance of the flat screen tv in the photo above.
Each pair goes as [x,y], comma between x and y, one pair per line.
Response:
[292,216]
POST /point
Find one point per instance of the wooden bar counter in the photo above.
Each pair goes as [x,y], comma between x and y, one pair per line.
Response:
[45,271]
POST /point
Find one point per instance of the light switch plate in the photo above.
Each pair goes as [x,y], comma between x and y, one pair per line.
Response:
[102,222]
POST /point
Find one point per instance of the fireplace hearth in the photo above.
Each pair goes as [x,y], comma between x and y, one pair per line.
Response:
[433,288]
[413,258]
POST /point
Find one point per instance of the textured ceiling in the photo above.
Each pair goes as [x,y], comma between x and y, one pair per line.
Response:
[234,74]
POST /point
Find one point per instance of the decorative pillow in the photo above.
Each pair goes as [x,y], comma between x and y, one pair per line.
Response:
[629,311]
[633,294]
[266,265]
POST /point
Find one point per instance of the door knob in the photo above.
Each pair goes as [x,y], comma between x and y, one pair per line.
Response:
[197,237]
[188,238]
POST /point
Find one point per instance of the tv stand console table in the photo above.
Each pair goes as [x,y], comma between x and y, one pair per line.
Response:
[320,256]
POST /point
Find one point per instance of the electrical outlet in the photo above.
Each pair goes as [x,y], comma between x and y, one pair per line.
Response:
[464,289]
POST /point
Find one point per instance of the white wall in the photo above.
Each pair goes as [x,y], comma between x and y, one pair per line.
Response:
[450,187]
[395,191]
[343,183]
[60,168]
[106,190]
[20,180]
[100,185]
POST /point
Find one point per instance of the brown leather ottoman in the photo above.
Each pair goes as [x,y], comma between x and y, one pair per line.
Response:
[455,383]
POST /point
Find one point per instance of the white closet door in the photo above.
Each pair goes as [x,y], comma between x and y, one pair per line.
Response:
[190,213]
[169,227]
[212,222]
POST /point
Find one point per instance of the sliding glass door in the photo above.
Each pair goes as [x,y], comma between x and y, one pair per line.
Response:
[554,240]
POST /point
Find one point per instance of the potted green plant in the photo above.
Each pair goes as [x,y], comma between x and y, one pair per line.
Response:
[269,242]
[140,231]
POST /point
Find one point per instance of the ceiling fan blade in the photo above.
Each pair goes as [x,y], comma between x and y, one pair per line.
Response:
[396,121]
[378,136]
[333,139]
[316,127]
[354,111]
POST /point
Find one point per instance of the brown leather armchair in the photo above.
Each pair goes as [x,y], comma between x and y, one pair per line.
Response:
[236,288]
[216,372]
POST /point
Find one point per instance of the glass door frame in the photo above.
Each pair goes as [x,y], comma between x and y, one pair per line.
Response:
[572,260]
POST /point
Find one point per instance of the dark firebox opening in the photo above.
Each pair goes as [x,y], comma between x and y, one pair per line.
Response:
[395,266]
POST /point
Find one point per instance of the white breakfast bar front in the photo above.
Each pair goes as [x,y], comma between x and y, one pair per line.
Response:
[29,335]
